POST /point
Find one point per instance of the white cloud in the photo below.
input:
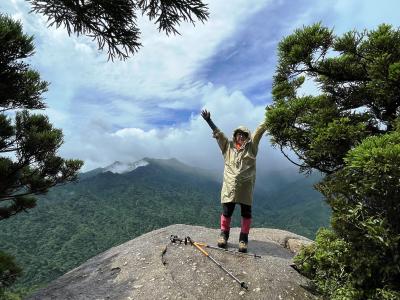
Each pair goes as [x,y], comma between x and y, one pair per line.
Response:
[160,65]
[159,76]
[104,107]
[190,142]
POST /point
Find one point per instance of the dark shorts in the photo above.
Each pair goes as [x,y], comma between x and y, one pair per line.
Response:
[229,207]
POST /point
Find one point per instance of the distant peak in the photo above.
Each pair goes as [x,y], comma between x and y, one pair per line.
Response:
[121,168]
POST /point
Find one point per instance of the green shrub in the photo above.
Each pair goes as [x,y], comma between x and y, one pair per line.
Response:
[9,272]
[360,257]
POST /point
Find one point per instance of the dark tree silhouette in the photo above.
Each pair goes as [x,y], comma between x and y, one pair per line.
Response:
[29,164]
[113,23]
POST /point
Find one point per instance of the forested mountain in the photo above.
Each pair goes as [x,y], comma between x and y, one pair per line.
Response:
[111,205]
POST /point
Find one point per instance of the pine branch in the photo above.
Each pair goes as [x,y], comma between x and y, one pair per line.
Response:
[113,23]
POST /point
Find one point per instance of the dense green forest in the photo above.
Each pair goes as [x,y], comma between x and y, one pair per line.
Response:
[79,220]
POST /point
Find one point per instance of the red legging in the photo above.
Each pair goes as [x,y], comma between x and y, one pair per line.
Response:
[228,209]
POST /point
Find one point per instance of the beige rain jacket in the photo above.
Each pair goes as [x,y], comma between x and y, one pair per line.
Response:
[240,165]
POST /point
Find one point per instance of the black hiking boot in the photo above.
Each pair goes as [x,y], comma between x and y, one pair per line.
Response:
[243,241]
[223,239]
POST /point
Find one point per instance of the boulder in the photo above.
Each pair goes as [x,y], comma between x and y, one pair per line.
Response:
[151,267]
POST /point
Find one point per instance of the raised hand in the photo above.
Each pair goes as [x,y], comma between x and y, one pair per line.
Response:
[206,115]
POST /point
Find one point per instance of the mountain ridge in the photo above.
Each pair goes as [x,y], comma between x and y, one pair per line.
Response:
[79,220]
[118,167]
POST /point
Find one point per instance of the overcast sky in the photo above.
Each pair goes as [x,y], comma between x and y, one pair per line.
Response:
[149,105]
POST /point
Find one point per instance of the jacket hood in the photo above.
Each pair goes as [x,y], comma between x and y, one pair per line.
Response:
[244,129]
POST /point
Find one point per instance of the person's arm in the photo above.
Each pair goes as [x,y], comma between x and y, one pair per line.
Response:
[218,134]
[258,133]
[207,116]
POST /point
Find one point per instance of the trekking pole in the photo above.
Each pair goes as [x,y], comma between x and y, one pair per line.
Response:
[174,239]
[229,250]
[198,246]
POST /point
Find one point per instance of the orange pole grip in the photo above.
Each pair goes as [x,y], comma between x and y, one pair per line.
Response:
[201,249]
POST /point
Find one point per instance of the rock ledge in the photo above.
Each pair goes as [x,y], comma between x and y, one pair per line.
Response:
[150,267]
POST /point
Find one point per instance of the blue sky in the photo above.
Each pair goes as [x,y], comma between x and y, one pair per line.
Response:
[148,105]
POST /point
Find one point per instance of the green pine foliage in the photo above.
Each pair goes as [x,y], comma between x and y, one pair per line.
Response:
[350,132]
[29,164]
[113,24]
[9,272]
[361,257]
